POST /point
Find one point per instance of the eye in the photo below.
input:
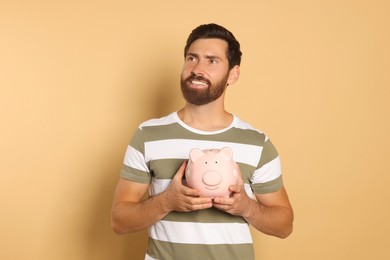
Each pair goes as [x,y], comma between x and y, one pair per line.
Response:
[191,58]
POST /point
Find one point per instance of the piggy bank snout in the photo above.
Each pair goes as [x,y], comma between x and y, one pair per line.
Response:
[212,178]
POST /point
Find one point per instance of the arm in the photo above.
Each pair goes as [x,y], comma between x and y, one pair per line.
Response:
[130,213]
[271,214]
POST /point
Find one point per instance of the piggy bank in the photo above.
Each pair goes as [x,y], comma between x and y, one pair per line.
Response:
[211,171]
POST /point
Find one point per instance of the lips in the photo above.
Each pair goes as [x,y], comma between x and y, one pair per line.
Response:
[198,81]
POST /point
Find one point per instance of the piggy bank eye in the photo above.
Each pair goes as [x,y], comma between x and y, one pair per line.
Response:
[216,162]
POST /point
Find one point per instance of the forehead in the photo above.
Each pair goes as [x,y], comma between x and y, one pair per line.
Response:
[214,47]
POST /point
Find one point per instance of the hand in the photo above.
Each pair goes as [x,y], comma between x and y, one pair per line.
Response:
[181,198]
[238,203]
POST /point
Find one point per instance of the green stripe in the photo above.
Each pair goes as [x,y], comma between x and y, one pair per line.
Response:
[135,175]
[174,251]
[268,187]
[269,153]
[246,172]
[211,215]
[165,168]
[137,142]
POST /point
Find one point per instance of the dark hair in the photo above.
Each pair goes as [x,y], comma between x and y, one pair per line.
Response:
[215,31]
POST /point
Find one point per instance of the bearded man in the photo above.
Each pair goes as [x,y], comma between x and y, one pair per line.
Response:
[183,224]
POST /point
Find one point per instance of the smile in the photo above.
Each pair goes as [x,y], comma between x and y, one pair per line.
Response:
[195,82]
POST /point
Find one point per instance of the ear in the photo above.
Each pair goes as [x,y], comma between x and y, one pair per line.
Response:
[195,154]
[234,74]
[227,152]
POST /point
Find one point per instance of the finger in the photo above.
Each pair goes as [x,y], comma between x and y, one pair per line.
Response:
[190,192]
[180,173]
[222,201]
[203,201]
[199,206]
[199,202]
[239,177]
[235,188]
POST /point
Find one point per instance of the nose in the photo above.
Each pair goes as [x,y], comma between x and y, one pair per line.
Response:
[198,69]
[212,178]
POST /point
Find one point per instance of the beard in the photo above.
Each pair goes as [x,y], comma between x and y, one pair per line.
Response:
[202,96]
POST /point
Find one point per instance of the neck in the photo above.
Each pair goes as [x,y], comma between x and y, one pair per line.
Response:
[209,117]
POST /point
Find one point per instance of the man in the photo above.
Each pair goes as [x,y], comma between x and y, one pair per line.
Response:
[182,224]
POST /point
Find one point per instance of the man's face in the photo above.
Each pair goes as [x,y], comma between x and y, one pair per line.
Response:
[205,73]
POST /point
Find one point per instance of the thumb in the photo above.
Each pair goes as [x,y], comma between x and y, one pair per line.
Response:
[239,176]
[180,173]
[239,186]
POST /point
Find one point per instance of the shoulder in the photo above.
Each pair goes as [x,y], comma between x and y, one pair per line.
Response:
[158,128]
[166,120]
[241,124]
[250,131]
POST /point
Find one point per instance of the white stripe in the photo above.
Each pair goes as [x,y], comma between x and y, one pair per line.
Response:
[248,190]
[159,185]
[166,120]
[135,159]
[163,149]
[201,233]
[148,257]
[268,172]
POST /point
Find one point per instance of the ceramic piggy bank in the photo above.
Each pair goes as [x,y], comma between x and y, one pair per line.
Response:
[211,171]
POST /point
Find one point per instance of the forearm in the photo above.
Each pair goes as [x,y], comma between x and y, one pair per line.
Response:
[130,216]
[130,213]
[272,220]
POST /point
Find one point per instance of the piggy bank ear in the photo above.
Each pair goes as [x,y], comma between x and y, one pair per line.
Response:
[227,152]
[195,154]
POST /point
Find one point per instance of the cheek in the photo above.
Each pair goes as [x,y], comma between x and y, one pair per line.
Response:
[185,73]
[187,68]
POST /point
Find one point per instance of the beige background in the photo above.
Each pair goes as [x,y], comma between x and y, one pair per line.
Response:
[77,77]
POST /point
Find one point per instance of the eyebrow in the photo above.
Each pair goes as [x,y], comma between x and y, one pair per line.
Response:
[192,54]
[209,57]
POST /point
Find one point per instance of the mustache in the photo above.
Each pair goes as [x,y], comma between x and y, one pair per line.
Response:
[198,78]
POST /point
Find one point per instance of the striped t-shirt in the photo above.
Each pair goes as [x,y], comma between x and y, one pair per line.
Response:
[154,155]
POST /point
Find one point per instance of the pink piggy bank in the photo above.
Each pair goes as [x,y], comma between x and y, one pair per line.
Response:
[211,171]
